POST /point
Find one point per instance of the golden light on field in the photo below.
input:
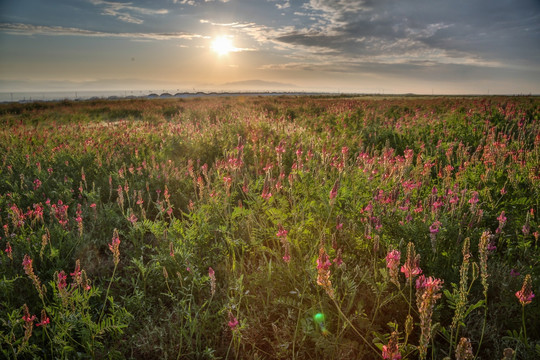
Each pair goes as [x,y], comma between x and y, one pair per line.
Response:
[222,45]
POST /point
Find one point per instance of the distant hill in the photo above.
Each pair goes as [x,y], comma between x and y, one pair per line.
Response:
[257,84]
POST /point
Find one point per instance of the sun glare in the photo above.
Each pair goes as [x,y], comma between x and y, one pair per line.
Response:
[222,45]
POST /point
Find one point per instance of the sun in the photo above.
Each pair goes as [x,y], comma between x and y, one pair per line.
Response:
[222,45]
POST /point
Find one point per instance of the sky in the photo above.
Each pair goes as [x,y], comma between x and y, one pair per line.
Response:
[362,46]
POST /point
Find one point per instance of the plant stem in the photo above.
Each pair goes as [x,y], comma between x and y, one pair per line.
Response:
[483,330]
[298,319]
[354,328]
[523,322]
[451,340]
[103,308]
[107,294]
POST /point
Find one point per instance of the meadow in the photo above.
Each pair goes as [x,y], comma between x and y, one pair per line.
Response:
[271,228]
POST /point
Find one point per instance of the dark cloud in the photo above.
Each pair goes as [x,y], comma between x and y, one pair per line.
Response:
[480,31]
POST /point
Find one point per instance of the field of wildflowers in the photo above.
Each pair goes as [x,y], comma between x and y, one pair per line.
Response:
[271,228]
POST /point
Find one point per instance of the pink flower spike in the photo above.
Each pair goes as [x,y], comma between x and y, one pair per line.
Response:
[334,191]
[434,228]
[392,259]
[28,319]
[282,233]
[44,322]
[526,295]
[233,322]
[9,250]
[62,277]
[114,246]
[391,351]
[411,268]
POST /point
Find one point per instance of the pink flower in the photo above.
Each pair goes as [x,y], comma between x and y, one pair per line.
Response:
[392,258]
[338,259]
[37,184]
[77,272]
[525,295]
[28,319]
[514,273]
[287,256]
[411,267]
[391,351]
[434,228]
[233,322]
[44,319]
[62,277]
[9,250]
[266,194]
[502,219]
[323,262]
[323,272]
[282,233]
[114,246]
[27,265]
[427,294]
[392,263]
[132,218]
[428,284]
[334,191]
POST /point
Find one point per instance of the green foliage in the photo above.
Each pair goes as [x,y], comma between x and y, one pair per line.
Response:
[240,219]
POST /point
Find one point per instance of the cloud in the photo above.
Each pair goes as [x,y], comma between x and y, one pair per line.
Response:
[28,30]
[493,32]
[285,5]
[122,11]
[260,33]
[194,2]
[412,71]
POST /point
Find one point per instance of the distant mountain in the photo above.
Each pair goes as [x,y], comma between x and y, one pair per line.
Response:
[89,85]
[257,85]
[139,85]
